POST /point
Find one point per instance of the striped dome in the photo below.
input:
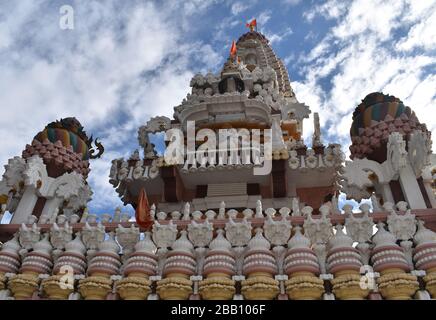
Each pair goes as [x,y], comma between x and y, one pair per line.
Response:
[67,138]
[69,132]
[375,107]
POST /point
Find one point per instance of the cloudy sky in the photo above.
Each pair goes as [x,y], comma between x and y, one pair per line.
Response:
[126,61]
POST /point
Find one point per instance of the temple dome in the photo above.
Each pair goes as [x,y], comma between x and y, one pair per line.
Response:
[70,132]
[64,146]
[374,119]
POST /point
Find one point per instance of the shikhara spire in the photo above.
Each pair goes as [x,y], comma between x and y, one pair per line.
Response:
[238,207]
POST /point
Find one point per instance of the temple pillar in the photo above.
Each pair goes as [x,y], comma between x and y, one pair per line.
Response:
[50,206]
[428,188]
[411,189]
[26,205]
[387,193]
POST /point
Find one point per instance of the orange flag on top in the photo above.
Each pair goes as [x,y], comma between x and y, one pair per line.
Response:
[142,212]
[252,24]
[233,49]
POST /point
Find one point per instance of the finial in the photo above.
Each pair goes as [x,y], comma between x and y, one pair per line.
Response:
[252,25]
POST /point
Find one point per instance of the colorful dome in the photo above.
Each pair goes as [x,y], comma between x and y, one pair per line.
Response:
[64,147]
[375,107]
[70,132]
[374,120]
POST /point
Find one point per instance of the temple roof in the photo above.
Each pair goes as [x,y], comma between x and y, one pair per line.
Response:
[253,35]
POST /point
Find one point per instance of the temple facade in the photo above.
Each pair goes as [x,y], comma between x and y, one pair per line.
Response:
[241,208]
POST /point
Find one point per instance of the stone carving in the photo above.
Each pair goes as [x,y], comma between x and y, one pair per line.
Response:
[14,173]
[396,152]
[277,232]
[92,236]
[127,238]
[60,236]
[28,237]
[317,230]
[79,200]
[67,186]
[355,178]
[402,226]
[359,229]
[200,234]
[164,235]
[294,160]
[238,233]
[419,151]
[35,173]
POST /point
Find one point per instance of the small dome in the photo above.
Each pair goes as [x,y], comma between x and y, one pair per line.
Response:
[76,245]
[70,132]
[183,244]
[258,242]
[298,240]
[12,245]
[340,239]
[43,246]
[220,243]
[424,235]
[146,245]
[383,237]
[109,245]
[375,107]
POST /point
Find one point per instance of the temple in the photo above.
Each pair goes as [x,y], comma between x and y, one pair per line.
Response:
[242,209]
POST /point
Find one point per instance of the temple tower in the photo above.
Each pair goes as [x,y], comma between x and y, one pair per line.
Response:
[251,94]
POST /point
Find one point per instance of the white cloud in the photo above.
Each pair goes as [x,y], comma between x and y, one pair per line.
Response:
[330,10]
[421,35]
[238,7]
[112,72]
[357,56]
[263,18]
[278,37]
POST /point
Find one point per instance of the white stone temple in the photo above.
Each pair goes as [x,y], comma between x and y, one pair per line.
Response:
[246,210]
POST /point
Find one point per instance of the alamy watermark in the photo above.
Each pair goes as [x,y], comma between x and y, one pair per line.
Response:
[225,147]
[367,280]
[66,20]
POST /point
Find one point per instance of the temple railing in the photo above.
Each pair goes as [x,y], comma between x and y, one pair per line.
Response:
[339,256]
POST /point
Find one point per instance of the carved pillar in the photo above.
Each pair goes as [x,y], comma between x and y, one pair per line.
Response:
[387,193]
[50,206]
[411,189]
[26,205]
[429,190]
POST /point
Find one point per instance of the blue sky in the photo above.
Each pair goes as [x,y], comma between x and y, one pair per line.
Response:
[126,61]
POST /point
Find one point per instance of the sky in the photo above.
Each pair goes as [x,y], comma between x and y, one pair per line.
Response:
[127,61]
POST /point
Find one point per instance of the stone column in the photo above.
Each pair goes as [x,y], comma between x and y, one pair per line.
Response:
[179,266]
[427,181]
[49,208]
[140,266]
[387,193]
[219,267]
[25,206]
[303,283]
[260,267]
[411,189]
